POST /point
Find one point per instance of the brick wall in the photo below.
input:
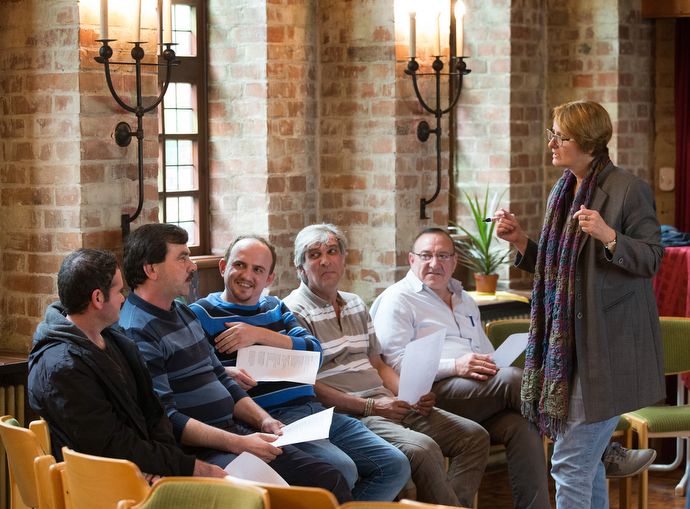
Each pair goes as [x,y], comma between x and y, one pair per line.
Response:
[63,180]
[311,119]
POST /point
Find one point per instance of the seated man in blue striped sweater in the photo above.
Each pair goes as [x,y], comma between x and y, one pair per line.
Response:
[201,400]
[241,316]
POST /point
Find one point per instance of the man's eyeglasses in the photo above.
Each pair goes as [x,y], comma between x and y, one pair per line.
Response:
[441,257]
[559,139]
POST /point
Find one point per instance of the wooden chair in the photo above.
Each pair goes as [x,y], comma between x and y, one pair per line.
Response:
[663,420]
[423,505]
[28,483]
[100,483]
[373,505]
[200,493]
[59,486]
[293,497]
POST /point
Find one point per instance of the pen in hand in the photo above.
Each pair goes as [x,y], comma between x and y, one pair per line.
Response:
[495,218]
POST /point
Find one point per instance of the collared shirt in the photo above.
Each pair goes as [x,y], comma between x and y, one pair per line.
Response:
[405,309]
[347,345]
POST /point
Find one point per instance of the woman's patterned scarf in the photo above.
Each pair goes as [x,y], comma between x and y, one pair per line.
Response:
[551,346]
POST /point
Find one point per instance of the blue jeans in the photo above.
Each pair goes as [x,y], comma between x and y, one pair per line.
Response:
[576,464]
[358,453]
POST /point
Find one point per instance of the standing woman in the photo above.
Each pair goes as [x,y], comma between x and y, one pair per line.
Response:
[594,349]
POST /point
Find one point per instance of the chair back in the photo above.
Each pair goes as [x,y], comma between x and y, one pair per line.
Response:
[42,432]
[499,331]
[100,483]
[372,505]
[23,447]
[200,493]
[422,505]
[675,334]
[293,497]
[59,486]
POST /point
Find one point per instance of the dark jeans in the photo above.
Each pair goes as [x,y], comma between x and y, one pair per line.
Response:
[297,467]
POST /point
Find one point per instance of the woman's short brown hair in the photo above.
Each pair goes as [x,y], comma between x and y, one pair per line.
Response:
[587,122]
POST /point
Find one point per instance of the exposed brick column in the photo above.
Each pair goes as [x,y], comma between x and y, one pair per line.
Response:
[357,165]
[527,125]
[635,91]
[292,32]
[237,120]
[263,109]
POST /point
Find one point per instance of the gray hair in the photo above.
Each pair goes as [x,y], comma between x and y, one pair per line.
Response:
[315,234]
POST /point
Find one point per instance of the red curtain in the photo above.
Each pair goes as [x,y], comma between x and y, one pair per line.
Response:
[682,105]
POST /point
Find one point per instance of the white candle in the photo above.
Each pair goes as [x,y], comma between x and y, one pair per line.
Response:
[104,19]
[413,35]
[459,27]
[437,37]
[167,22]
[137,22]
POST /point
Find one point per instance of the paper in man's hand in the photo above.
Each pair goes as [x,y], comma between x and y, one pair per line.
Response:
[419,366]
[270,364]
[250,468]
[510,349]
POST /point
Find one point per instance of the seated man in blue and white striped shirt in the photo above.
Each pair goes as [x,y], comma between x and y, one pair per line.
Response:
[241,316]
[201,400]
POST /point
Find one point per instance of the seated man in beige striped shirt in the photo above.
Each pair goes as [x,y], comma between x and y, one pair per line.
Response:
[354,378]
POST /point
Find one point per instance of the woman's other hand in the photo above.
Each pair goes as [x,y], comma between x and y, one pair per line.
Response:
[591,222]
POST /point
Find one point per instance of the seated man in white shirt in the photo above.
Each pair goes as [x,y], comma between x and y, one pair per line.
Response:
[468,382]
[355,380]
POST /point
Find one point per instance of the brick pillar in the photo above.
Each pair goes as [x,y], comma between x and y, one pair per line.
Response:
[527,126]
[263,111]
[64,182]
[635,91]
[357,164]
[237,120]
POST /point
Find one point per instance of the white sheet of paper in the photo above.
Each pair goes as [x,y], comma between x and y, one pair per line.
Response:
[313,427]
[270,364]
[250,468]
[509,350]
[419,366]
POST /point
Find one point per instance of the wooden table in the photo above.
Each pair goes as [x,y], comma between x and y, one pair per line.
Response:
[503,305]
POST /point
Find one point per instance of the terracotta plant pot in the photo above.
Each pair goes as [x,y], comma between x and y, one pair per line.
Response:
[486,284]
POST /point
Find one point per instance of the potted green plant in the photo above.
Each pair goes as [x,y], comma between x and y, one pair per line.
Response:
[476,250]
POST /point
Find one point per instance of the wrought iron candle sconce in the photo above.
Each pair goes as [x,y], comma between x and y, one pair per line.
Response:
[458,70]
[123,132]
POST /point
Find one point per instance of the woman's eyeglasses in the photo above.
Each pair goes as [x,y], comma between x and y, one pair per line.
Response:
[559,139]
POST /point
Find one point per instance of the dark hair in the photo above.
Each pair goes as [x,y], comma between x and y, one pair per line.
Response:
[83,272]
[148,244]
[435,231]
[270,247]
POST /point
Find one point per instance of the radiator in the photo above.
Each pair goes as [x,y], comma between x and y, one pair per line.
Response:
[11,403]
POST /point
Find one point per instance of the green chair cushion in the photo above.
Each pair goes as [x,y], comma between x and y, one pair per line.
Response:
[195,495]
[623,424]
[664,418]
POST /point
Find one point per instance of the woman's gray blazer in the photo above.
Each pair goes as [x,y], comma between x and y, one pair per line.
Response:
[617,333]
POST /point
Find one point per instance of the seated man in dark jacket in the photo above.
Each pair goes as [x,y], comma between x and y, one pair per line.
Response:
[89,382]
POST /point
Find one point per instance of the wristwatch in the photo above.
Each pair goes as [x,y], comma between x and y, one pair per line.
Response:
[611,246]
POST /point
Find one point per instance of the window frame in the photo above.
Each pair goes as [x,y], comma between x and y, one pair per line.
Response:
[191,70]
